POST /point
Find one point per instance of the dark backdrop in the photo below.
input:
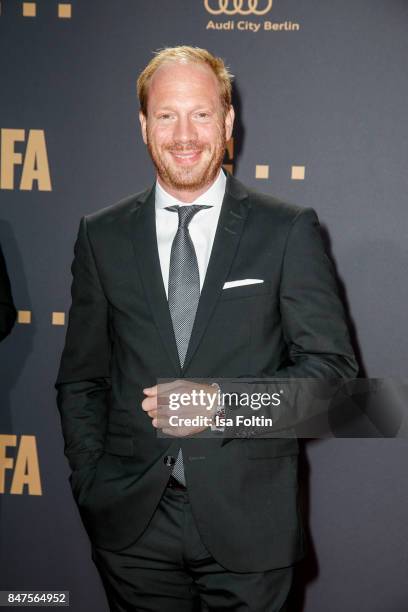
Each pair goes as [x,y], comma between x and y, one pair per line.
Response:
[325,91]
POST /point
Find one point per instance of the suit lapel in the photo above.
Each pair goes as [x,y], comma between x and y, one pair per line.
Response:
[144,238]
[231,222]
[230,226]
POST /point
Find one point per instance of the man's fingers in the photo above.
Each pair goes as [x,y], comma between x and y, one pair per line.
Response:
[160,421]
[178,432]
[164,387]
[149,403]
[170,386]
[150,391]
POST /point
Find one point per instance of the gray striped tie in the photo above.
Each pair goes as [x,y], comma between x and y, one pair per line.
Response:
[183,294]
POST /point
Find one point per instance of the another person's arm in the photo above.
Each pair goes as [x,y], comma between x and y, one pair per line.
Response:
[7,309]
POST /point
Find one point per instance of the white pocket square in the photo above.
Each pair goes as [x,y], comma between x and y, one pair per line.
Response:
[244,281]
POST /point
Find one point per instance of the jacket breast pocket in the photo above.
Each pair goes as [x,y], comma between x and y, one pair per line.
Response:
[246,291]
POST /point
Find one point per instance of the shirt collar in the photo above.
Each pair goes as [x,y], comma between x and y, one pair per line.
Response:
[212,197]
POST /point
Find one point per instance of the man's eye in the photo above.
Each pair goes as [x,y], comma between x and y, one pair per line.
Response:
[203,115]
[165,116]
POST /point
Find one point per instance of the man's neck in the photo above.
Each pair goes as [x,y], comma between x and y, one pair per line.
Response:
[183,195]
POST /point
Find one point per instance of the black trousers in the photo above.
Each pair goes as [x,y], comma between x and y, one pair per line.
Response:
[169,569]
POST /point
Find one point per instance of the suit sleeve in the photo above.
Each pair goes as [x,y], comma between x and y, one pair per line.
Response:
[314,329]
[313,318]
[7,309]
[83,381]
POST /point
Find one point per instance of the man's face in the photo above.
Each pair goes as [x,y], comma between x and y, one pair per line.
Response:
[185,129]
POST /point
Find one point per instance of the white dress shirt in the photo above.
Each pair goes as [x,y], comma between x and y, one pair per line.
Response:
[202,227]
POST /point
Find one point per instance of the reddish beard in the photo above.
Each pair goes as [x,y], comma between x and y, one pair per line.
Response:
[188,179]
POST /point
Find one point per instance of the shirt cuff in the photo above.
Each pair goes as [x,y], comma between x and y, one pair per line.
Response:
[219,412]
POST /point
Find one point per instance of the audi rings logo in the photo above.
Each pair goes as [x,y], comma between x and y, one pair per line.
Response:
[237,7]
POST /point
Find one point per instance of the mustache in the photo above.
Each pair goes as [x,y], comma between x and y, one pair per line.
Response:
[177,147]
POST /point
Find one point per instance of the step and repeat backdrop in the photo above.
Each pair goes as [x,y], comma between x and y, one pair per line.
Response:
[321,96]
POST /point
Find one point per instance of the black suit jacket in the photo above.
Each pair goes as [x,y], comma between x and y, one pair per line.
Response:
[7,309]
[120,339]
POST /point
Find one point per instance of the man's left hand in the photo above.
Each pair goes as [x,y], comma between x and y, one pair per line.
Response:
[181,401]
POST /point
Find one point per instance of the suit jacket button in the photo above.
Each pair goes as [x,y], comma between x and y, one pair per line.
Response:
[169,460]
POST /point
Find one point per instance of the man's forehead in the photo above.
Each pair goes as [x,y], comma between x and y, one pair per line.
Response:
[173,71]
[182,83]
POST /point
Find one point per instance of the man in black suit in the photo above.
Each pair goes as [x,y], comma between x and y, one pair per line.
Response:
[7,309]
[196,277]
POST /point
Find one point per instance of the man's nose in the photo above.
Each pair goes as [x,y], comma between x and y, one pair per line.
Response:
[185,130]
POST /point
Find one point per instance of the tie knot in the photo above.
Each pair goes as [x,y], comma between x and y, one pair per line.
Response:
[186,213]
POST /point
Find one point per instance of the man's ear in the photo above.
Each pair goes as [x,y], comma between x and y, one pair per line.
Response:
[229,122]
[143,126]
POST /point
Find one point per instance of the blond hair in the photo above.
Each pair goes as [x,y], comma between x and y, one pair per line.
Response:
[185,54]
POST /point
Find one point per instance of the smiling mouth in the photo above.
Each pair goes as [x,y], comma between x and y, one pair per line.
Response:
[186,156]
